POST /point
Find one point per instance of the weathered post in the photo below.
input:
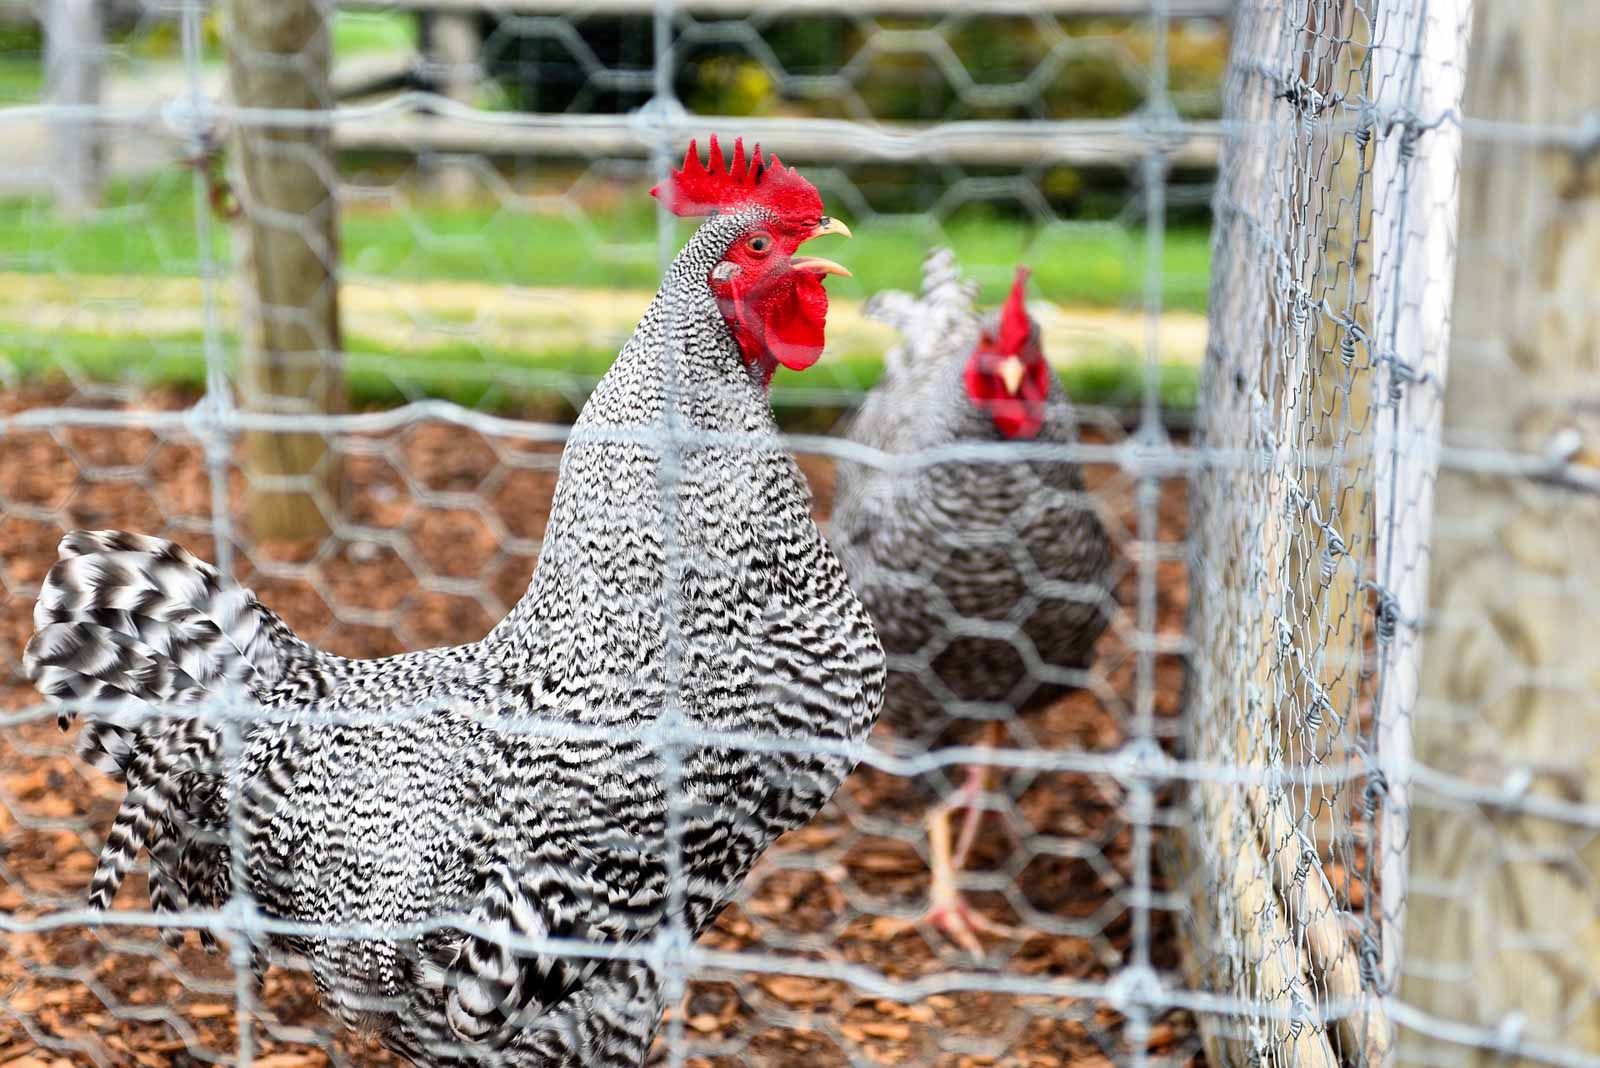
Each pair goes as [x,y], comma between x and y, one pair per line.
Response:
[286,180]
[454,44]
[1505,930]
[74,41]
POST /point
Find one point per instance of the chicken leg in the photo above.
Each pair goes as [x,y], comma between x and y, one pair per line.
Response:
[948,911]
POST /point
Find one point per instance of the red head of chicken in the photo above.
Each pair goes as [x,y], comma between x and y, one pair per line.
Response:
[1006,374]
[773,301]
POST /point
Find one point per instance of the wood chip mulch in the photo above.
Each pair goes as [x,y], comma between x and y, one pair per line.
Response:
[455,520]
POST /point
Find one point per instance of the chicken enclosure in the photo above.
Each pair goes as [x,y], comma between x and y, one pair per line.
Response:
[316,290]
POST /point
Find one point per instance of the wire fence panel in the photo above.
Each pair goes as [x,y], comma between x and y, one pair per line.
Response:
[324,293]
[1336,202]
[433,217]
[1501,861]
[1281,626]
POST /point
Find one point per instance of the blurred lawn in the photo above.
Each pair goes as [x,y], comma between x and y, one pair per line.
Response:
[21,78]
[147,230]
[150,229]
[357,33]
[608,241]
[541,383]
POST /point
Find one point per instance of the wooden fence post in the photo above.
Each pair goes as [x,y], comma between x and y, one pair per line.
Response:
[1419,53]
[1506,918]
[74,63]
[454,48]
[286,180]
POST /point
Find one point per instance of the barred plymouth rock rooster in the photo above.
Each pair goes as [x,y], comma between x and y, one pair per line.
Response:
[974,571]
[441,805]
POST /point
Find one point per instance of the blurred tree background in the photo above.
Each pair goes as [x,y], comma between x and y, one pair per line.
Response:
[883,69]
[968,66]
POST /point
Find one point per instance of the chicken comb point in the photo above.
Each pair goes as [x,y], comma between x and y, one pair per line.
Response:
[722,185]
[1014,326]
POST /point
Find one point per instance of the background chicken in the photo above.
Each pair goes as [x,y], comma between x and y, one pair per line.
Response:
[480,780]
[964,565]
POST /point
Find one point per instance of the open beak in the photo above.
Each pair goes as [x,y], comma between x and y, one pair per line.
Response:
[1011,372]
[830,226]
[818,265]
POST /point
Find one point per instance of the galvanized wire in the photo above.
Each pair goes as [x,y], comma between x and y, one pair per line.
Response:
[1250,878]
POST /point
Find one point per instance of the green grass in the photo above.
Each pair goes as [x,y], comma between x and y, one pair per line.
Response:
[21,78]
[360,32]
[150,229]
[514,380]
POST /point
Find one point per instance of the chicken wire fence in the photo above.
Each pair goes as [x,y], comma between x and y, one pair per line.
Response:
[1258,831]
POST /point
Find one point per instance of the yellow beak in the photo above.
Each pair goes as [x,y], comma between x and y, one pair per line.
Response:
[1011,372]
[818,265]
[830,226]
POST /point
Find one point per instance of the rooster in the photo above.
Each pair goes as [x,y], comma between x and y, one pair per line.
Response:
[971,569]
[448,803]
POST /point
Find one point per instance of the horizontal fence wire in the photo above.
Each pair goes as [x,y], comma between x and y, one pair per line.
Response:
[1199,850]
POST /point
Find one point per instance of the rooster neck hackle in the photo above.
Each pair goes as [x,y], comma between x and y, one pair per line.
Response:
[678,384]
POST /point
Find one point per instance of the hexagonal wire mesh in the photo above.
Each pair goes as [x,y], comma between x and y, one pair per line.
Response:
[1227,887]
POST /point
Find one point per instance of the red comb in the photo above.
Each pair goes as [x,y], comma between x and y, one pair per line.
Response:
[698,189]
[1014,328]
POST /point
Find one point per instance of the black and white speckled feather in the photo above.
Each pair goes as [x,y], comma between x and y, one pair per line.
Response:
[390,793]
[963,564]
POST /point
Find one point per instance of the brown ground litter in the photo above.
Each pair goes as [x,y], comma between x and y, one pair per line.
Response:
[450,521]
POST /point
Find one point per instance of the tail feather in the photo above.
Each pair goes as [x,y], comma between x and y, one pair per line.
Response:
[89,662]
[925,322]
[943,284]
[130,833]
[892,307]
[139,625]
[166,597]
[944,291]
[168,896]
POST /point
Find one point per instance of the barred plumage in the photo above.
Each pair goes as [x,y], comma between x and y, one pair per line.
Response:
[973,571]
[388,793]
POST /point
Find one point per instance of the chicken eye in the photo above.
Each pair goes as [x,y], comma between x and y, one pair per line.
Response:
[760,243]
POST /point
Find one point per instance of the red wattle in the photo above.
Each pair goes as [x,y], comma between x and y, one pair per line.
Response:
[795,327]
[1017,417]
